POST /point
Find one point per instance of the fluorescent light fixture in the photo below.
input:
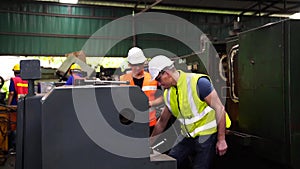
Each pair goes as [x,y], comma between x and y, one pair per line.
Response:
[295,16]
[69,1]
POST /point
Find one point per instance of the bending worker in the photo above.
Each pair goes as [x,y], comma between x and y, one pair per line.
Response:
[75,73]
[139,77]
[192,99]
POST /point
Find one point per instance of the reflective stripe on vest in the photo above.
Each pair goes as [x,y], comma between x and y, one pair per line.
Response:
[203,113]
[149,88]
[207,126]
[196,118]
[22,85]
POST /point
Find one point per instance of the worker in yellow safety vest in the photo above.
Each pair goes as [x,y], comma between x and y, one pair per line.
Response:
[141,78]
[192,99]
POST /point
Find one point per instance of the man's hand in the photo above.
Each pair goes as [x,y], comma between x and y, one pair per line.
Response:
[221,147]
[150,104]
[160,125]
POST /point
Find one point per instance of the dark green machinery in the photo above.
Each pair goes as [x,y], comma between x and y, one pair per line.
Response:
[261,74]
[268,114]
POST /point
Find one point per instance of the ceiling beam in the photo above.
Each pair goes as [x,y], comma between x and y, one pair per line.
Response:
[265,8]
[293,7]
[270,1]
[268,6]
[136,4]
[250,8]
[150,6]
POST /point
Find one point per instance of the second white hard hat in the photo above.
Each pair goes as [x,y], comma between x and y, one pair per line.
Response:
[136,56]
[157,64]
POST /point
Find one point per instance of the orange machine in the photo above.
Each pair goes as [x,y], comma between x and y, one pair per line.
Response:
[7,124]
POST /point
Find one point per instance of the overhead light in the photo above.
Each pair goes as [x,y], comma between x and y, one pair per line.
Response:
[295,16]
[69,1]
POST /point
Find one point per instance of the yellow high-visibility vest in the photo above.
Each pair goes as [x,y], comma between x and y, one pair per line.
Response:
[196,117]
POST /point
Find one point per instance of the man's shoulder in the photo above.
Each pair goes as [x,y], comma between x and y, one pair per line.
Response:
[125,77]
[16,78]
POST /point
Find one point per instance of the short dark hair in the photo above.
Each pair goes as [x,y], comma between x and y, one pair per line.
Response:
[17,72]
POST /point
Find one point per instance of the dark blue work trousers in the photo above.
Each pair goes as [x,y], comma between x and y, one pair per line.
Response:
[201,149]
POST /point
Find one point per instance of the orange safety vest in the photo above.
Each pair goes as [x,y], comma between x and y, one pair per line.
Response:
[76,76]
[149,88]
[21,86]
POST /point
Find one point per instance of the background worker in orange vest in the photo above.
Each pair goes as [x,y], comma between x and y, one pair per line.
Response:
[141,78]
[75,71]
[17,88]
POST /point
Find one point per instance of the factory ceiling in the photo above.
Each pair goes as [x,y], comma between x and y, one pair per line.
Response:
[236,7]
[240,7]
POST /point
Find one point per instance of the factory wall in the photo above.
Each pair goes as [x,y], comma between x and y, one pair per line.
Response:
[39,28]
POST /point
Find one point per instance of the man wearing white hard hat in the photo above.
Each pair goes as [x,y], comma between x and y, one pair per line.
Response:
[192,99]
[141,78]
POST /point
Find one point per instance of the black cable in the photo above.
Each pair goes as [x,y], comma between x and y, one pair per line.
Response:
[181,113]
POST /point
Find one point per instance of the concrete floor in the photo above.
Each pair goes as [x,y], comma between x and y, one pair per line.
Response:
[226,162]
[10,162]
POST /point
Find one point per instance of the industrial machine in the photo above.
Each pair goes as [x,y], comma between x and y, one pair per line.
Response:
[262,94]
[7,126]
[94,126]
[62,71]
[89,126]
[268,118]
[260,73]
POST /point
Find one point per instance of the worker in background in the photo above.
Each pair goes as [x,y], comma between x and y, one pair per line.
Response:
[3,91]
[193,100]
[75,73]
[141,78]
[17,88]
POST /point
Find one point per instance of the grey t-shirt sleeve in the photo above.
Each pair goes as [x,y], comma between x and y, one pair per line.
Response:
[204,87]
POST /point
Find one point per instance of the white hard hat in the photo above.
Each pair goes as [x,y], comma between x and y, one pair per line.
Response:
[136,56]
[157,64]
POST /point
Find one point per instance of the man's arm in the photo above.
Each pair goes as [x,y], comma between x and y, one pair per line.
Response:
[214,102]
[70,80]
[159,99]
[10,97]
[156,102]
[161,124]
[11,92]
